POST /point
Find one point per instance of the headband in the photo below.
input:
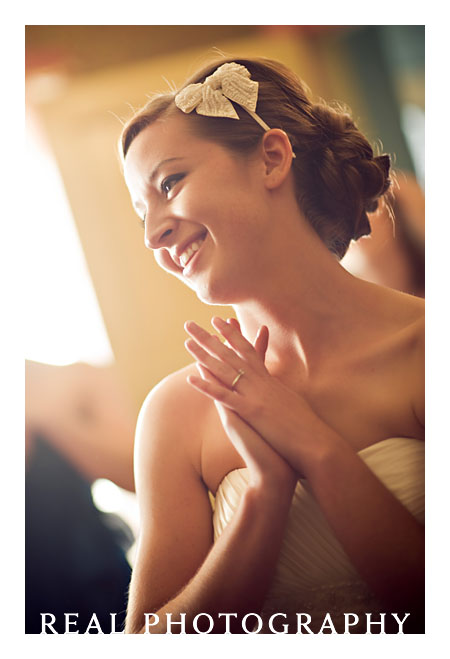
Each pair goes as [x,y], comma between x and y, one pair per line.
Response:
[211,98]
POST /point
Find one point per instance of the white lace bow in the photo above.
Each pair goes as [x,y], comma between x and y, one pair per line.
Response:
[212,98]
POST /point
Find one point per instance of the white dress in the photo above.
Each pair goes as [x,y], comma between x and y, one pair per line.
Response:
[313,573]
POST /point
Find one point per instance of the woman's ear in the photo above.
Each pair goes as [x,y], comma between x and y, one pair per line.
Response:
[277,154]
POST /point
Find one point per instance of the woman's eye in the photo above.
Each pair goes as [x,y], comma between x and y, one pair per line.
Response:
[168,183]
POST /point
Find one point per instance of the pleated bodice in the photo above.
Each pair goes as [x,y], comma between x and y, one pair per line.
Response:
[313,573]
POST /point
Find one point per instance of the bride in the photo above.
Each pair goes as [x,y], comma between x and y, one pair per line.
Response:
[304,415]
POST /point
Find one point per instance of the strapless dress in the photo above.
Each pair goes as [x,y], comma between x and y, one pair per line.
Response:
[313,574]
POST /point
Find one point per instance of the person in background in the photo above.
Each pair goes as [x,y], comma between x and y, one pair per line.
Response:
[394,253]
[79,426]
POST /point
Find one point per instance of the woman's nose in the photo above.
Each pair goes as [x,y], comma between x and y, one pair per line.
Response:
[158,233]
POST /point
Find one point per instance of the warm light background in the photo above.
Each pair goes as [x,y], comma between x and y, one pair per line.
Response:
[81,82]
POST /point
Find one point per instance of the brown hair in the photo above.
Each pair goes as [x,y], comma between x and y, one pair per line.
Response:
[338,180]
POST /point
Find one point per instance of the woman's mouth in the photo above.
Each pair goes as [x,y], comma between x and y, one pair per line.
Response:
[191,250]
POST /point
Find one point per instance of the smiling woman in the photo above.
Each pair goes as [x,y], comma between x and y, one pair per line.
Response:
[194,187]
[305,419]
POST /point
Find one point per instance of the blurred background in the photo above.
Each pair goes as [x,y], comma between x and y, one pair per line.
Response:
[105,324]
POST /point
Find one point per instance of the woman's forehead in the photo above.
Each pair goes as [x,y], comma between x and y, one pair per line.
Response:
[163,139]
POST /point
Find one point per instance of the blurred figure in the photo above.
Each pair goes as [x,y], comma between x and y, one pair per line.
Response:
[79,427]
[394,253]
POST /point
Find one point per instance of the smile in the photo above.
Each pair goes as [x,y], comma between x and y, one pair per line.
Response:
[189,252]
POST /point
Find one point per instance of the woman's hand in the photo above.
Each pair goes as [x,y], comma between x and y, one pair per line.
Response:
[263,462]
[239,381]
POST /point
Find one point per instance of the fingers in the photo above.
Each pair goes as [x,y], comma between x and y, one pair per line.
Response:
[262,341]
[261,459]
[226,363]
[262,337]
[235,339]
[212,345]
[216,367]
[250,446]
[235,322]
[206,375]
[215,390]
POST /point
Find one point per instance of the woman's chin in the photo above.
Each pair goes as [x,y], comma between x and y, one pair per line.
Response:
[214,290]
[216,293]
[209,297]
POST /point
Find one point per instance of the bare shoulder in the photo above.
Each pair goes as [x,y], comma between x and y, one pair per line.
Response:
[398,314]
[418,360]
[170,421]
[176,529]
[410,309]
[179,428]
[412,351]
[397,353]
[413,317]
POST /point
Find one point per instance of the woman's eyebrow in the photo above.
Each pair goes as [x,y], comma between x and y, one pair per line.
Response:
[156,169]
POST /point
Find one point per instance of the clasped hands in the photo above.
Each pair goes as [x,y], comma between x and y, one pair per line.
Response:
[253,405]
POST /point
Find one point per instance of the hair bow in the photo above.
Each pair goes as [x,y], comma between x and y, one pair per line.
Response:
[212,98]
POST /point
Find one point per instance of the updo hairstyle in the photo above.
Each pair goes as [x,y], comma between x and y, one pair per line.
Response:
[338,180]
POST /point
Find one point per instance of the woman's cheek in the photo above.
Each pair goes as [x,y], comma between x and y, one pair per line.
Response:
[164,260]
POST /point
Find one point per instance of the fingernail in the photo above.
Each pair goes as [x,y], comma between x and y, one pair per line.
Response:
[192,325]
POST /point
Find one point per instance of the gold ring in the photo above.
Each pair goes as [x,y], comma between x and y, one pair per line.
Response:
[237,378]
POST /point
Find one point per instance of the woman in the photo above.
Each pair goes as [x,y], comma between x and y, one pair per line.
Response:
[309,431]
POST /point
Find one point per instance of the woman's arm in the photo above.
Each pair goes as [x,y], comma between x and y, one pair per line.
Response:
[178,569]
[381,537]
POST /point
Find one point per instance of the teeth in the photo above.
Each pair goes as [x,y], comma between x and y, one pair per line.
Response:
[193,247]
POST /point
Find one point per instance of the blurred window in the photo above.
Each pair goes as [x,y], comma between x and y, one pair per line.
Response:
[64,323]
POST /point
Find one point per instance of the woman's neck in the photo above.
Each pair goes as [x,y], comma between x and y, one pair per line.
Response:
[312,308]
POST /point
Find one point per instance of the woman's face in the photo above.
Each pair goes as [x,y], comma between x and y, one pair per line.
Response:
[203,208]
